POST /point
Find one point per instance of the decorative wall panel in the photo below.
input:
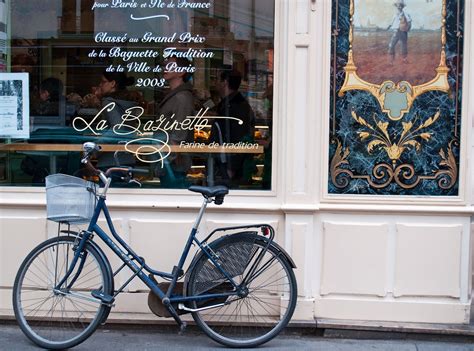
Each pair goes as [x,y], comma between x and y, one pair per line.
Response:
[395,116]
[436,272]
[354,258]
[18,236]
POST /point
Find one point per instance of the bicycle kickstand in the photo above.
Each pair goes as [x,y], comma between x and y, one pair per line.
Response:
[182,324]
[182,328]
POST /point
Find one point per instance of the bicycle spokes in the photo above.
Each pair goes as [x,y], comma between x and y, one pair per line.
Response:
[263,302]
[59,316]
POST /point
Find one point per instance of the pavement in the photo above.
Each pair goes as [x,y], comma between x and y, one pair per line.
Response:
[154,337]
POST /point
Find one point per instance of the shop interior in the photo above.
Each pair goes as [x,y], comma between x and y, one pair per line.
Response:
[61,49]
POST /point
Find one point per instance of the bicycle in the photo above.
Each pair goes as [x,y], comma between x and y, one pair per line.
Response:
[240,288]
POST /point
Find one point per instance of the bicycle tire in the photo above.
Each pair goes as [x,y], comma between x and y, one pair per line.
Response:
[237,254]
[56,328]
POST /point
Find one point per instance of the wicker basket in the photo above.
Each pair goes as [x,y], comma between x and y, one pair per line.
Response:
[69,199]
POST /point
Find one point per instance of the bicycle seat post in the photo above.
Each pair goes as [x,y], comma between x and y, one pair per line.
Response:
[201,212]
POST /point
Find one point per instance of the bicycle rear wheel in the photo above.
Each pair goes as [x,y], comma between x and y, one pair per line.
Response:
[65,318]
[265,303]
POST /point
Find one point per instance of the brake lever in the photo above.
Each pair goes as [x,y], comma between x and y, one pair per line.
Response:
[85,158]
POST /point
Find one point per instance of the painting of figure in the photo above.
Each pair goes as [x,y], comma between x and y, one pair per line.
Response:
[397,40]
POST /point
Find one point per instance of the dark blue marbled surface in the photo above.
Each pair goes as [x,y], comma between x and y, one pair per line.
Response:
[445,131]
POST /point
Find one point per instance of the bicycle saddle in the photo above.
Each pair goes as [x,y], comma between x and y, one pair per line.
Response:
[210,191]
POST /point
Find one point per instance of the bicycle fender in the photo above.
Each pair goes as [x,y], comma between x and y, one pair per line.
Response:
[287,256]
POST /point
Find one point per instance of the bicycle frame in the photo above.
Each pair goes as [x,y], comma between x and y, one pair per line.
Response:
[139,267]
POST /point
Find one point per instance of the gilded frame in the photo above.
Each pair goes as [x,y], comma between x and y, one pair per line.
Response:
[375,152]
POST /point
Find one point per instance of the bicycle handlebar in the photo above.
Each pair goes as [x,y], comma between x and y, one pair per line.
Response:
[125,173]
[89,166]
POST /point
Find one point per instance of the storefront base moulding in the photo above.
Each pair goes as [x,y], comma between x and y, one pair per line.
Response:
[338,327]
[408,311]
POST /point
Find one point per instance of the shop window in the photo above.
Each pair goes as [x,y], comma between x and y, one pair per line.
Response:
[182,89]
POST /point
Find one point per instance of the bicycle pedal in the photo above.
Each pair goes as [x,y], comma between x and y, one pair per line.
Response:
[106,299]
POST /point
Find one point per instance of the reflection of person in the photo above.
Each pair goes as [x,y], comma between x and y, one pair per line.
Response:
[401,25]
[49,102]
[231,167]
[113,89]
[177,104]
[50,98]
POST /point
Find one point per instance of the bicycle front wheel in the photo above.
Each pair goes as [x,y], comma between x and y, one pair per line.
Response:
[60,319]
[267,291]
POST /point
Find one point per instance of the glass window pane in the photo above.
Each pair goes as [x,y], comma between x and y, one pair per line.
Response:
[182,89]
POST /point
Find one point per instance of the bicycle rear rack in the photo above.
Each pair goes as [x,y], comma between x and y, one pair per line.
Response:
[265,230]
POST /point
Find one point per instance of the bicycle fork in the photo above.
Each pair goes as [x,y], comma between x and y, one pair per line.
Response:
[79,253]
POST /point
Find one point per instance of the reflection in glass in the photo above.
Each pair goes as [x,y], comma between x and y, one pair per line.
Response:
[67,46]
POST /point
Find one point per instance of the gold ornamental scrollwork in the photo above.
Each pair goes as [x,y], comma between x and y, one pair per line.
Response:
[377,135]
[404,92]
[384,174]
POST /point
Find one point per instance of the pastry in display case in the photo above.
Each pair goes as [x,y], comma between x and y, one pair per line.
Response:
[201,135]
[197,174]
[261,133]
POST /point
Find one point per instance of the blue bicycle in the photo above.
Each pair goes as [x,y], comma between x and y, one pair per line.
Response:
[240,288]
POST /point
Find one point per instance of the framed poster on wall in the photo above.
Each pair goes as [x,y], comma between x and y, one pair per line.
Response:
[14,99]
[396,97]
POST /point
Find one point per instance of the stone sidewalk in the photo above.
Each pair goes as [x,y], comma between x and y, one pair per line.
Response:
[123,337]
